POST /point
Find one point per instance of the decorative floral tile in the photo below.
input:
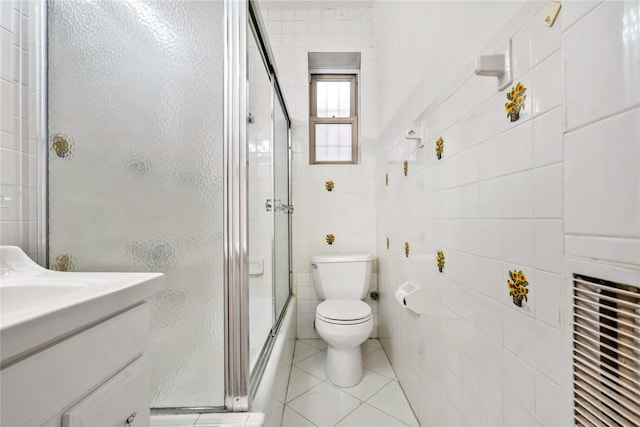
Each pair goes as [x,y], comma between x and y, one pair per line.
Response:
[515,101]
[519,289]
[440,261]
[439,147]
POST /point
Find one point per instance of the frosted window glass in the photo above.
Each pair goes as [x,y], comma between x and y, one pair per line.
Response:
[333,99]
[137,88]
[333,142]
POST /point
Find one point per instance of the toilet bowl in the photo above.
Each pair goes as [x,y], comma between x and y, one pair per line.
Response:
[344,324]
[343,320]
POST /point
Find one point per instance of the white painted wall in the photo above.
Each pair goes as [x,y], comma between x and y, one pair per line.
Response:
[17,125]
[348,211]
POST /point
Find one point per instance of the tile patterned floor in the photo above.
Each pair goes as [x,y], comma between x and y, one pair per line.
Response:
[312,400]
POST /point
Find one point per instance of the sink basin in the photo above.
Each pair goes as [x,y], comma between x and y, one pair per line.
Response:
[39,306]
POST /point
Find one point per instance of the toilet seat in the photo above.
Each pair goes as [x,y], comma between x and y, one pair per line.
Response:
[344,311]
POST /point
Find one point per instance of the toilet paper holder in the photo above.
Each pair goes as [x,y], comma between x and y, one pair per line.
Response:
[409,296]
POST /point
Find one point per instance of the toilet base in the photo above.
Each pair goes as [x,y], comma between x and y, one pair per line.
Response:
[344,366]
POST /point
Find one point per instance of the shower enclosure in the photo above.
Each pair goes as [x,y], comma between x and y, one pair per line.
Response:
[169,150]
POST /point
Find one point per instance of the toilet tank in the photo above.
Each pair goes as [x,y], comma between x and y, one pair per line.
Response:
[342,276]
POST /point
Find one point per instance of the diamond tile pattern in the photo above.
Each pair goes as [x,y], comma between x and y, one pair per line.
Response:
[312,400]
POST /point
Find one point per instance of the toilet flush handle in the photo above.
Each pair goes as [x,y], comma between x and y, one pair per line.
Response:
[314,265]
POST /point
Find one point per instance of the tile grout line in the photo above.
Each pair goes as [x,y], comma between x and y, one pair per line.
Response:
[303,370]
[385,412]
[306,391]
[291,409]
[354,409]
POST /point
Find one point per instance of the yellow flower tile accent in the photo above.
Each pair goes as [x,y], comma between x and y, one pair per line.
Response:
[515,97]
[439,147]
[330,238]
[387,243]
[386,179]
[406,249]
[329,185]
[440,260]
[405,167]
[517,285]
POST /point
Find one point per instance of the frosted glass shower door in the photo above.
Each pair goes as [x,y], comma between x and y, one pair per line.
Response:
[136,170]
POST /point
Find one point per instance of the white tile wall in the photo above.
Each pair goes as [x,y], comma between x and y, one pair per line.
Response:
[603,179]
[494,203]
[17,140]
[348,211]
[598,89]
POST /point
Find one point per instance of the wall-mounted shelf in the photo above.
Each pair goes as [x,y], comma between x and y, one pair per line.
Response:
[497,65]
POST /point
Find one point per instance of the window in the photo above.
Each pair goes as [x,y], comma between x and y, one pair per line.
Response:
[333,121]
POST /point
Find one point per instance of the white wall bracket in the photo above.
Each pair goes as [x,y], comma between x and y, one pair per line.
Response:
[416,133]
[498,65]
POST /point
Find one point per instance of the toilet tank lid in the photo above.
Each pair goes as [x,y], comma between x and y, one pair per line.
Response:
[341,258]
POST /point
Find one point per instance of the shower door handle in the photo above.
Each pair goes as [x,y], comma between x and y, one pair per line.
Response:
[277,206]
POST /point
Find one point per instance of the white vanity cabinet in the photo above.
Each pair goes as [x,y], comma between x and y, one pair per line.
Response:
[95,376]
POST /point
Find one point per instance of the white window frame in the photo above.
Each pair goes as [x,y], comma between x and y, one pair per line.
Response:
[314,119]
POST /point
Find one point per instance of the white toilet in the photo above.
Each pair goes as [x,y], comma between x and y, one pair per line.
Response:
[343,320]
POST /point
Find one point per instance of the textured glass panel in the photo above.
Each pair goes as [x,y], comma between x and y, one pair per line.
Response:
[260,190]
[136,89]
[333,142]
[333,99]
[281,224]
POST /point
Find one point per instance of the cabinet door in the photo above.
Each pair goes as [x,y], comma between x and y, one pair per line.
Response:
[123,398]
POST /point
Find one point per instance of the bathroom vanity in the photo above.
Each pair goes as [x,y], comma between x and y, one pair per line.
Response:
[73,345]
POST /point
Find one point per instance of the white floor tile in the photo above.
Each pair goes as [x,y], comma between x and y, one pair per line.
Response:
[392,401]
[324,405]
[315,365]
[370,384]
[378,362]
[174,420]
[373,342]
[303,351]
[318,343]
[366,350]
[368,416]
[292,419]
[299,382]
